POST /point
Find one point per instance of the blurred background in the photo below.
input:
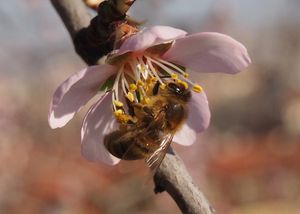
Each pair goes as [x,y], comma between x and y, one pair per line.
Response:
[248,161]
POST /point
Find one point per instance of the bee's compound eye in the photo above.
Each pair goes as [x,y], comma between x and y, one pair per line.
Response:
[175,88]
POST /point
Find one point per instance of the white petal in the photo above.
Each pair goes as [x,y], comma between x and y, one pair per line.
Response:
[186,136]
[98,122]
[75,92]
[209,52]
[197,121]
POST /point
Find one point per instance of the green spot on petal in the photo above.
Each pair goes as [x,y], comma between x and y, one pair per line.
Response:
[108,84]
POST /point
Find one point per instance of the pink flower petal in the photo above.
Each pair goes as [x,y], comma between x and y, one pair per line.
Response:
[75,92]
[197,121]
[150,37]
[186,136]
[209,52]
[98,122]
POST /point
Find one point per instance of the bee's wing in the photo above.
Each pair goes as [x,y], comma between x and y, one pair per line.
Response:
[155,159]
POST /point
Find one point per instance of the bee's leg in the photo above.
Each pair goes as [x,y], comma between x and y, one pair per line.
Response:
[142,110]
[148,111]
[136,105]
[156,88]
[130,107]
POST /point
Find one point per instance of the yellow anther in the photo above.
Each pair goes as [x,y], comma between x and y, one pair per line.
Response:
[130,96]
[197,88]
[153,79]
[118,103]
[145,100]
[132,87]
[140,83]
[186,86]
[118,113]
[150,81]
[186,75]
[174,76]
[179,81]
[162,86]
[146,87]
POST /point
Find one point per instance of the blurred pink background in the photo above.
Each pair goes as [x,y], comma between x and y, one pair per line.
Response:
[248,161]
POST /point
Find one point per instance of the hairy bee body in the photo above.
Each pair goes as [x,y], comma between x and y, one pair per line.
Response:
[132,144]
[156,123]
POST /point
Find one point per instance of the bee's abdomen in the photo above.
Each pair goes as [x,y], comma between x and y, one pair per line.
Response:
[126,147]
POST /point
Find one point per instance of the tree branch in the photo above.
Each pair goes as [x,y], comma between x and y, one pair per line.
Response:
[97,39]
[172,175]
[73,14]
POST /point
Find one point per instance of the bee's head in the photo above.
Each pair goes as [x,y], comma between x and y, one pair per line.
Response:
[178,90]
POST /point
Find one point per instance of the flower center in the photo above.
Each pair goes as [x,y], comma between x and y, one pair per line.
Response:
[138,76]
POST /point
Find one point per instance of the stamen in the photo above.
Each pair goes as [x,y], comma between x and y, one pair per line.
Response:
[143,68]
[118,103]
[197,88]
[124,84]
[186,86]
[122,117]
[140,83]
[114,98]
[132,87]
[153,79]
[130,96]
[137,82]
[118,113]
[172,66]
[153,70]
[125,80]
[145,100]
[143,93]
[134,70]
[162,86]
[166,69]
[174,76]
[117,83]
[162,63]
[115,94]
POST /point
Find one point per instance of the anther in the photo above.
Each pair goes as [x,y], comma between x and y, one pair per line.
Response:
[140,83]
[118,113]
[132,87]
[197,88]
[146,100]
[130,96]
[174,76]
[162,86]
[153,79]
[118,103]
[186,75]
[186,86]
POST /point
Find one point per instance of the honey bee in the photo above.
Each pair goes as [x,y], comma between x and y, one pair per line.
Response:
[157,122]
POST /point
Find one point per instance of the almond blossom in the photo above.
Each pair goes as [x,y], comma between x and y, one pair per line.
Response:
[142,59]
